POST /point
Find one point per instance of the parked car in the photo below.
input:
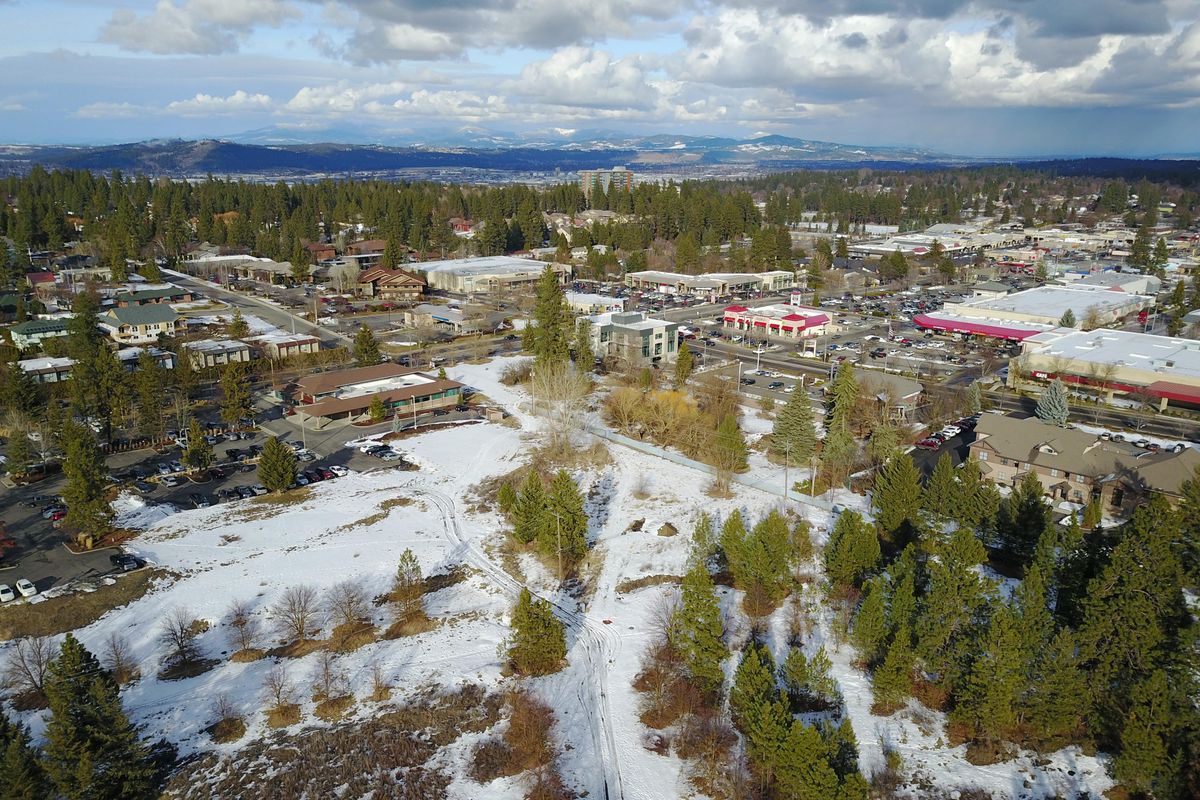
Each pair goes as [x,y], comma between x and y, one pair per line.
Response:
[375,448]
[441,412]
[326,474]
[6,593]
[125,562]
[26,588]
[339,471]
[301,480]
[747,381]
[170,481]
[164,468]
[258,489]
[50,510]
[390,455]
[217,472]
[198,500]
[775,385]
[245,492]
[58,514]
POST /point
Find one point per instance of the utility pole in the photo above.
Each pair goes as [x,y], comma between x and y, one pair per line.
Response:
[787,460]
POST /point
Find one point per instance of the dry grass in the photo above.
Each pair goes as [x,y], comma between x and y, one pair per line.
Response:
[247,656]
[410,625]
[385,508]
[632,585]
[297,649]
[348,637]
[227,730]
[268,505]
[187,669]
[335,708]
[69,612]
[283,716]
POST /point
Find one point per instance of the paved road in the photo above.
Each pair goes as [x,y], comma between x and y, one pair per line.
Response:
[1117,419]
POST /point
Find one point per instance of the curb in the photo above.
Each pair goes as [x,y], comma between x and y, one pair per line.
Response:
[67,547]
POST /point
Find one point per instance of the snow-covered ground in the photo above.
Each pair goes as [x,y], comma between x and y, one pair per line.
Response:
[339,530]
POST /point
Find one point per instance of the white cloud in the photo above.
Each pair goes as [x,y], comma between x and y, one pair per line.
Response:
[111,111]
[206,104]
[193,27]
[582,76]
[341,97]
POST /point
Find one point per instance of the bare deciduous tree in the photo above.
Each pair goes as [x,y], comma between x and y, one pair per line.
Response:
[328,679]
[561,393]
[178,633]
[25,669]
[243,627]
[118,660]
[381,689]
[295,612]
[278,687]
[224,709]
[348,604]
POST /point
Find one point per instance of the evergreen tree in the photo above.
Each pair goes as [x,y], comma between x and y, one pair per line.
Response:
[564,531]
[88,509]
[549,334]
[1057,700]
[852,551]
[1022,519]
[237,400]
[237,327]
[20,454]
[844,396]
[753,686]
[21,772]
[529,513]
[277,465]
[897,495]
[585,357]
[953,608]
[1160,256]
[1140,253]
[1054,405]
[698,629]
[941,491]
[376,410]
[728,451]
[988,702]
[976,501]
[870,630]
[150,389]
[838,455]
[366,349]
[704,539]
[199,453]
[684,364]
[975,398]
[506,499]
[794,435]
[92,751]
[808,681]
[1145,735]
[1067,320]
[891,683]
[538,644]
[803,771]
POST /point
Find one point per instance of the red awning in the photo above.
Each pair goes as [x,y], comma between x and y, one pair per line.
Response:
[736,309]
[760,324]
[788,328]
[1175,391]
[974,328]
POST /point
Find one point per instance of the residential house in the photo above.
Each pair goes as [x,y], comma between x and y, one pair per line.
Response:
[47,370]
[162,294]
[128,356]
[1077,466]
[457,319]
[393,285]
[208,353]
[42,283]
[897,396]
[32,333]
[320,251]
[140,324]
[280,346]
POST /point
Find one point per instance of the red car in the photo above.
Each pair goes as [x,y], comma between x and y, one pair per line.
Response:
[57,515]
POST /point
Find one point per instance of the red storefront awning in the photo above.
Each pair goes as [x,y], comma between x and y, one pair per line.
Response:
[973,328]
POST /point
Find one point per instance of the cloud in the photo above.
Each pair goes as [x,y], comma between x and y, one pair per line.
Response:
[341,97]
[582,76]
[206,104]
[193,27]
[103,110]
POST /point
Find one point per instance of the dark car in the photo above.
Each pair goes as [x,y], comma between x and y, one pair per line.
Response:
[145,487]
[245,492]
[198,500]
[217,472]
[440,412]
[247,467]
[775,385]
[234,453]
[747,381]
[313,476]
[255,450]
[126,562]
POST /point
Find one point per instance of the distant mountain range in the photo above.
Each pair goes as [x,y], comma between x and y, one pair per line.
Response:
[466,153]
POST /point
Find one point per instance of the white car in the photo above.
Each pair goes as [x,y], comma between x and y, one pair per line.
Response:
[791,387]
[6,593]
[952,430]
[26,588]
[170,481]
[340,471]
[367,445]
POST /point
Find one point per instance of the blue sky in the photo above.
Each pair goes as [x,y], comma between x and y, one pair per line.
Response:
[975,77]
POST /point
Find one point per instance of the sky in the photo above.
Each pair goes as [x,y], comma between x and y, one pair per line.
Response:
[969,77]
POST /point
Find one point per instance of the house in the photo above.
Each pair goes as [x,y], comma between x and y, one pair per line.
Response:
[633,338]
[162,294]
[1075,465]
[390,284]
[320,251]
[471,319]
[280,346]
[208,353]
[47,370]
[349,393]
[140,324]
[42,283]
[128,356]
[366,247]
[35,331]
[899,396]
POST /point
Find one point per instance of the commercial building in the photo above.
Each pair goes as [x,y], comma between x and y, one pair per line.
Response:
[32,333]
[1077,466]
[632,338]
[208,353]
[1159,368]
[279,345]
[1046,305]
[394,285]
[349,393]
[485,273]
[780,320]
[584,303]
[605,180]
[987,327]
[139,324]
[1129,282]
[712,285]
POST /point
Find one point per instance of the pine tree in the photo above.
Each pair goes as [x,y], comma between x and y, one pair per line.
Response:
[548,336]
[761,568]
[1160,256]
[733,542]
[941,491]
[92,750]
[1144,750]
[376,410]
[21,772]
[237,327]
[506,499]
[88,509]
[897,495]
[704,539]
[409,587]
[975,398]
[953,608]
[794,435]
[698,629]
[529,513]
[366,349]
[1054,406]
[728,451]
[684,363]
[277,465]
[1067,320]
[753,686]
[150,388]
[852,551]
[803,771]
[20,454]
[838,455]
[1057,701]
[808,681]
[1022,519]
[844,396]
[585,357]
[237,399]
[988,702]
[565,529]
[891,684]
[199,453]
[870,630]
[538,644]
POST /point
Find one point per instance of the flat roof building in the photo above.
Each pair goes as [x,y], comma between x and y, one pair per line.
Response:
[207,353]
[781,320]
[47,370]
[349,393]
[605,180]
[1046,305]
[584,303]
[633,338]
[485,273]
[711,285]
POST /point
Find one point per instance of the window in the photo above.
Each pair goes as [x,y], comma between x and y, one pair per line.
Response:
[658,348]
[983,455]
[1053,473]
